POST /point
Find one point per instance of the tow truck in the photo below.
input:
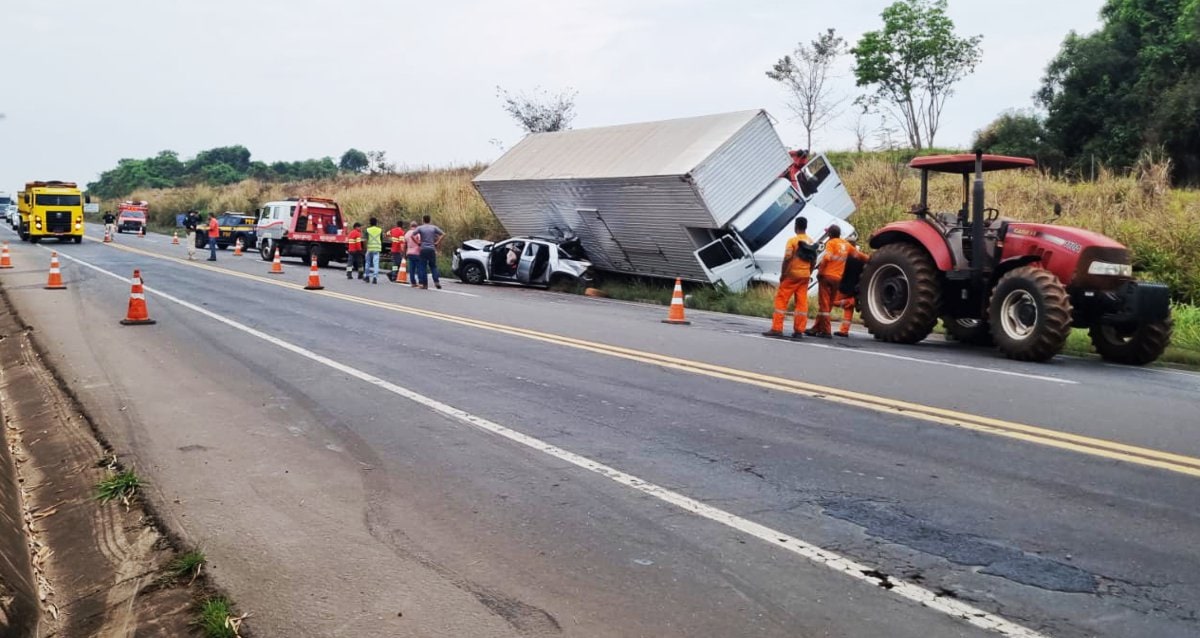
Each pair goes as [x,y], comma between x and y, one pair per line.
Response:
[304,227]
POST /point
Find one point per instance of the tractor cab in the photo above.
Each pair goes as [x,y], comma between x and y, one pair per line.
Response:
[957,227]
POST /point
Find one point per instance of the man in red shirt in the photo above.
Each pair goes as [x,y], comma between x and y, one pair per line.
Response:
[214,231]
[396,235]
[354,252]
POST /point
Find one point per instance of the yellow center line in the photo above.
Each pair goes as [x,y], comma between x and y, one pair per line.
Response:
[1103,448]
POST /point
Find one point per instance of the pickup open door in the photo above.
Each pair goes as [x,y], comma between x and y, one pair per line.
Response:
[822,187]
[729,261]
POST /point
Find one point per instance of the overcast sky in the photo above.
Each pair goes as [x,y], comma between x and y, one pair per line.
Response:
[87,83]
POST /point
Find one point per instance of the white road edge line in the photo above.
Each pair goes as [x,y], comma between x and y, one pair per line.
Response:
[832,560]
[947,364]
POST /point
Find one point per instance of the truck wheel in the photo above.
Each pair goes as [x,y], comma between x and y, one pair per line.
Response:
[1137,346]
[974,332]
[314,252]
[266,250]
[902,294]
[472,273]
[1030,314]
[78,240]
[34,240]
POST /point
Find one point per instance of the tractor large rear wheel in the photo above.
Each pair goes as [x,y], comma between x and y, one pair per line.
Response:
[1030,313]
[901,292]
[1136,346]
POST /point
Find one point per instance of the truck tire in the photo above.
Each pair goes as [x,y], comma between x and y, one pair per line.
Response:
[266,250]
[1136,347]
[1030,314]
[973,332]
[472,273]
[314,252]
[78,239]
[901,294]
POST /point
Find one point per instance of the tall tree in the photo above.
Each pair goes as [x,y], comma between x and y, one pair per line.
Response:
[806,76]
[354,161]
[541,112]
[913,64]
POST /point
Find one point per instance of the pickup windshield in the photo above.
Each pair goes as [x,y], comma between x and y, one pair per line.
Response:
[58,200]
[775,218]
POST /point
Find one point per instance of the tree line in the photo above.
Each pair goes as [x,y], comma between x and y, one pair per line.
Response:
[227,165]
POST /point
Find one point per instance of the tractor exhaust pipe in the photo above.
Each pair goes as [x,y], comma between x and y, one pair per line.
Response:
[977,205]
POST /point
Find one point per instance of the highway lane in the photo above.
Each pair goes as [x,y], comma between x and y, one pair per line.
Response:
[1078,544]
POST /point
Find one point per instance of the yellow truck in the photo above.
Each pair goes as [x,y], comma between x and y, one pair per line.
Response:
[51,209]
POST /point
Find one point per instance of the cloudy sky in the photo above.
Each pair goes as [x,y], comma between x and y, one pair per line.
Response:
[87,83]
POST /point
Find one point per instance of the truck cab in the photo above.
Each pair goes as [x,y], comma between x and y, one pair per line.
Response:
[51,209]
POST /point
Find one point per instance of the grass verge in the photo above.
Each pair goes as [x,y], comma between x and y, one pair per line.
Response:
[122,486]
[187,564]
[215,619]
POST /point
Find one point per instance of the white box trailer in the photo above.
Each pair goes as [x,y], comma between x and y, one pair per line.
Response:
[702,198]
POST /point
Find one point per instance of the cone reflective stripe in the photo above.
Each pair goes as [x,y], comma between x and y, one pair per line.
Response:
[175,237]
[5,259]
[55,282]
[314,277]
[277,265]
[675,314]
[402,274]
[237,247]
[137,315]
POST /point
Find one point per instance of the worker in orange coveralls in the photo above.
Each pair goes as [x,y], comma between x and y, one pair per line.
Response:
[829,279]
[793,282]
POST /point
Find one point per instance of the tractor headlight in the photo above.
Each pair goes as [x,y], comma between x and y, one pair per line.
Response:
[1111,270]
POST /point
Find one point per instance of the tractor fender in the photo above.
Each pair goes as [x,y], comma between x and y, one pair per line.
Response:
[915,231]
[1012,263]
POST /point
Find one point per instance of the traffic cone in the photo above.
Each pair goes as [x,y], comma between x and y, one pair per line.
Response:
[175,238]
[402,274]
[55,282]
[107,235]
[5,260]
[314,277]
[277,265]
[675,314]
[237,247]
[137,315]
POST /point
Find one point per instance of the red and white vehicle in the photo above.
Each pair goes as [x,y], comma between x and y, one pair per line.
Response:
[304,227]
[132,216]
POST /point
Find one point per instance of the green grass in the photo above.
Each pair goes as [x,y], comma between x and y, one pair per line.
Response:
[214,616]
[188,564]
[122,486]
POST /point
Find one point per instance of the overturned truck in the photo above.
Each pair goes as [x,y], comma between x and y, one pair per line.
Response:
[708,199]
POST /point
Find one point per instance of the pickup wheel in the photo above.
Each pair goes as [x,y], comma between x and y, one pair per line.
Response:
[1135,346]
[472,273]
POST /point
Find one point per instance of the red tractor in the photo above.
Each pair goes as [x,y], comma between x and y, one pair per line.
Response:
[1021,286]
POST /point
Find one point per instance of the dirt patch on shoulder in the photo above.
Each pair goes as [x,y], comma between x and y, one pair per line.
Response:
[89,568]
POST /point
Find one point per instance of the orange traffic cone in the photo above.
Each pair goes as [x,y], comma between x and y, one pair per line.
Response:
[314,277]
[237,248]
[137,315]
[55,282]
[107,235]
[5,260]
[402,274]
[175,237]
[277,265]
[675,314]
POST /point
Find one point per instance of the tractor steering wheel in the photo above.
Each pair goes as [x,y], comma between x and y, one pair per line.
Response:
[991,213]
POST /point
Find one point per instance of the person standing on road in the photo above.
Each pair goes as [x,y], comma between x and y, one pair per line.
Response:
[214,231]
[374,238]
[430,237]
[829,278]
[396,248]
[354,252]
[793,282]
[191,221]
[412,246]
[109,223]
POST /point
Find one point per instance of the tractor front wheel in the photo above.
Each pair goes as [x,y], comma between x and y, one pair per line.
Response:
[901,294]
[1030,314]
[1135,346]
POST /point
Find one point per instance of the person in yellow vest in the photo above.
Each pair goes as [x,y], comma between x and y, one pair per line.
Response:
[374,240]
[829,278]
[793,282]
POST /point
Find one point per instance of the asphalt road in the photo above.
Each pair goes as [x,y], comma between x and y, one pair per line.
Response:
[373,460]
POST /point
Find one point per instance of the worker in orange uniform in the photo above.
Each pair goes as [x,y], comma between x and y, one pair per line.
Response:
[354,252]
[829,279]
[396,236]
[793,282]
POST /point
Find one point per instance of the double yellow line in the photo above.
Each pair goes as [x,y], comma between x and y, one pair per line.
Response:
[1031,434]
